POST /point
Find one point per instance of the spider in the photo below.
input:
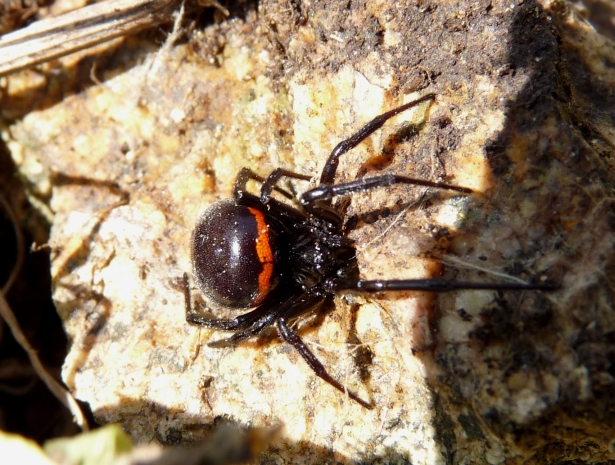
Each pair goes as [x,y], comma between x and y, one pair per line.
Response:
[280,261]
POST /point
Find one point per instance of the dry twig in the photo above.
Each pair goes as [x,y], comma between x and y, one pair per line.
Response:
[52,38]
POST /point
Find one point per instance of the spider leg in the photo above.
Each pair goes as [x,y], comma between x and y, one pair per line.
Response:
[312,199]
[293,338]
[232,324]
[328,172]
[274,177]
[437,285]
[239,188]
[266,315]
[266,320]
[235,324]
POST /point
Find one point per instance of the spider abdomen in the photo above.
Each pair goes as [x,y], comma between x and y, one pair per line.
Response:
[232,253]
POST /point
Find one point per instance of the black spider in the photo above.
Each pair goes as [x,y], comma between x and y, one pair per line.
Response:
[282,262]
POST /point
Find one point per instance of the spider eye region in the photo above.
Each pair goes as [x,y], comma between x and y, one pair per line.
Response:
[232,255]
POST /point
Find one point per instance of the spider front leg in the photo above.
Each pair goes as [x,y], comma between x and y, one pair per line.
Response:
[328,172]
[441,285]
[246,174]
[273,178]
[312,199]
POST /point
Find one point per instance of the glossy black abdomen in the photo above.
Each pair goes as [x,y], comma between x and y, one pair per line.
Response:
[232,254]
